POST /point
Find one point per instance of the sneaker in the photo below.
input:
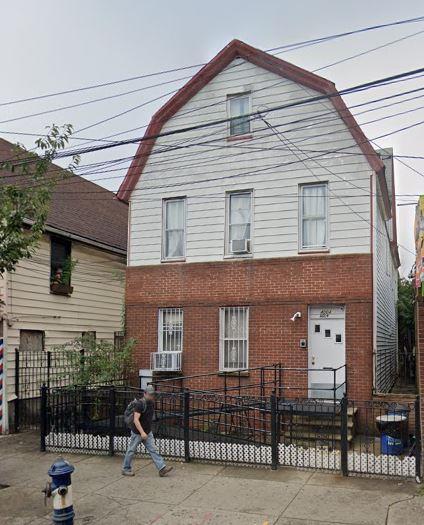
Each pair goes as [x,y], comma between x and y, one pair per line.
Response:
[127,473]
[164,471]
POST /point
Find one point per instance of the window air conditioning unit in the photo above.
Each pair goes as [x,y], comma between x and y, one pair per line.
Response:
[240,246]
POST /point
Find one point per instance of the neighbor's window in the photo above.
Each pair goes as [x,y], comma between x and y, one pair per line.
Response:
[31,340]
[60,257]
[233,338]
[118,340]
[174,228]
[313,216]
[170,336]
[238,109]
[239,222]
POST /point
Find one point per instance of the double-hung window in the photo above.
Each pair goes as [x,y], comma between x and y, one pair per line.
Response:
[173,245]
[170,337]
[313,220]
[238,110]
[239,222]
[233,338]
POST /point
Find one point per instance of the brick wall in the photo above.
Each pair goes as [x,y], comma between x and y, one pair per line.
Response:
[274,289]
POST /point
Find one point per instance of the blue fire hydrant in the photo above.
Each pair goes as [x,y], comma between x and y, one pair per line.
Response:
[60,490]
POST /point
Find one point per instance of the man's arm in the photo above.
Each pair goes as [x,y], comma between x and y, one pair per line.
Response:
[138,425]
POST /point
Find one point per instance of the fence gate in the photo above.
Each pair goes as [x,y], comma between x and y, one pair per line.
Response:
[33,368]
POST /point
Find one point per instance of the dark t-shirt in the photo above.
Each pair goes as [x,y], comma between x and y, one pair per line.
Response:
[147,410]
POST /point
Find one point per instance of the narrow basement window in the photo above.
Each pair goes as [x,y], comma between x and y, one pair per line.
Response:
[338,338]
[327,333]
[317,328]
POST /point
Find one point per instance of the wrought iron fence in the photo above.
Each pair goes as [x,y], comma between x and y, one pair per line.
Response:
[362,438]
[33,369]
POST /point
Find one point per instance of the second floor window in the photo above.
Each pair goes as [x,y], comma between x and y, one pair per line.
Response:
[60,261]
[238,109]
[239,222]
[313,216]
[170,337]
[173,229]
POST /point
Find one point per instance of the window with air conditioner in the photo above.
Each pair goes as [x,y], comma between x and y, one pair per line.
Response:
[239,223]
[170,330]
[174,229]
[234,338]
[313,216]
[238,110]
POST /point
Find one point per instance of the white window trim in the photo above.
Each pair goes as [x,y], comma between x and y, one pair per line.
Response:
[243,94]
[228,254]
[164,202]
[160,328]
[309,249]
[222,339]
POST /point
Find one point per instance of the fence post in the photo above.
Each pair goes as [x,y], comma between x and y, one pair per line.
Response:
[43,418]
[112,415]
[344,444]
[17,407]
[274,443]
[186,423]
[417,440]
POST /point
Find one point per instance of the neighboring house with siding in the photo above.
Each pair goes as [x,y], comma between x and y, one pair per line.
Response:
[87,224]
[237,226]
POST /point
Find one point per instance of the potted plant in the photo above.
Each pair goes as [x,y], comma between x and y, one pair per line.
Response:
[61,281]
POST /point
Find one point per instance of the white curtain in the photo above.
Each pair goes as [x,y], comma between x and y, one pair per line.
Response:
[314,216]
[174,228]
[239,107]
[240,211]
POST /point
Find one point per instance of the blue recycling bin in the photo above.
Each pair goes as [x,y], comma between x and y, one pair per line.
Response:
[391,426]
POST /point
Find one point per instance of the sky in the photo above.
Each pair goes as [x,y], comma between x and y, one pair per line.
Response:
[57,46]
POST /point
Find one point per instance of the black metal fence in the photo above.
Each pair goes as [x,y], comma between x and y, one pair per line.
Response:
[368,438]
[33,369]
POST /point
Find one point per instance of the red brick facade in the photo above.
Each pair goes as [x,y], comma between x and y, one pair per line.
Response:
[274,289]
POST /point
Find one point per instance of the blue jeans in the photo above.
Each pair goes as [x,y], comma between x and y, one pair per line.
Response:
[149,445]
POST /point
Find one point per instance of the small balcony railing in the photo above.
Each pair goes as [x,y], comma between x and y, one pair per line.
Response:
[165,361]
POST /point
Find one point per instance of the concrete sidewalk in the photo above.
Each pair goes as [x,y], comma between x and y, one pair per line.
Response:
[198,494]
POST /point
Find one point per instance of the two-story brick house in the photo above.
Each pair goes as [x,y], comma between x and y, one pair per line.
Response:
[268,235]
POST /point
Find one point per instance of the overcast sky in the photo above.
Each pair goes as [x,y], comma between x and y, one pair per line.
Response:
[52,46]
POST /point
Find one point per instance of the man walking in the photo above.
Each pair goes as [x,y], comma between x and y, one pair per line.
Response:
[141,431]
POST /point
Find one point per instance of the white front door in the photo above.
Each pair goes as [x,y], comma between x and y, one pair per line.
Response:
[326,351]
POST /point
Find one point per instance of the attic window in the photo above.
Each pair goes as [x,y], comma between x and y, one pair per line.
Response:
[238,109]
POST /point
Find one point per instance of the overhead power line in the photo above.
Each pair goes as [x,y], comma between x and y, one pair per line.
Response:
[184,68]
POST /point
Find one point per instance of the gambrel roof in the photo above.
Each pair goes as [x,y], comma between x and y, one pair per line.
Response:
[237,49]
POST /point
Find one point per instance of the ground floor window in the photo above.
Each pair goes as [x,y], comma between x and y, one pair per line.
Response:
[31,340]
[170,336]
[233,338]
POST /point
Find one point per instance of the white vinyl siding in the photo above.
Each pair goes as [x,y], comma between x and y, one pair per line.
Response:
[238,109]
[206,173]
[239,218]
[170,333]
[313,206]
[95,305]
[234,338]
[173,229]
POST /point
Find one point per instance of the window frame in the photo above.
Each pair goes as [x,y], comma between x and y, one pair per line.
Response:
[42,333]
[165,201]
[161,312]
[222,338]
[68,248]
[230,97]
[227,248]
[301,247]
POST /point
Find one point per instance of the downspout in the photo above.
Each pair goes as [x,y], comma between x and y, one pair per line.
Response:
[5,395]
[373,217]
